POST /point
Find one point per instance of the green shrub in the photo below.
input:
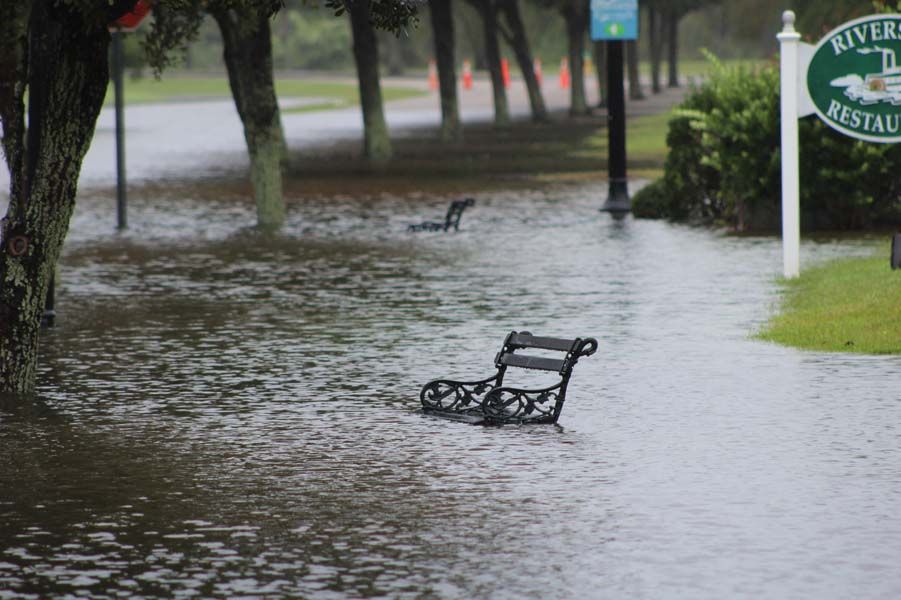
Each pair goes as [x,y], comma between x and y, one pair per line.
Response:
[724,162]
[847,183]
[651,201]
[690,183]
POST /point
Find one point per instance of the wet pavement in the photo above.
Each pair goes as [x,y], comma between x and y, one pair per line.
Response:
[222,414]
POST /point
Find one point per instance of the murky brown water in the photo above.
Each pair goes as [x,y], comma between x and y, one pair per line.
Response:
[224,415]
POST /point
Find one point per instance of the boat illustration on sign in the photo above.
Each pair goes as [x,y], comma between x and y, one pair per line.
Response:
[874,88]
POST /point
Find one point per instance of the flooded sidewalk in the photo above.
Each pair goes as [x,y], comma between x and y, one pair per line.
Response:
[224,414]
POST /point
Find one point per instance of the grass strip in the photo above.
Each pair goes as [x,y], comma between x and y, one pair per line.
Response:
[645,145]
[851,305]
[563,149]
[333,94]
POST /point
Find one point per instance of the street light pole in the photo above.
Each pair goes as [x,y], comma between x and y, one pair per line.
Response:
[618,194]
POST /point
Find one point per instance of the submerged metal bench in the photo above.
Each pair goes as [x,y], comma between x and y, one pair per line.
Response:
[452,219]
[489,401]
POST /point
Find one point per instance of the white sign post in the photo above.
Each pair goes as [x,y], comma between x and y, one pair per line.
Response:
[789,40]
[794,58]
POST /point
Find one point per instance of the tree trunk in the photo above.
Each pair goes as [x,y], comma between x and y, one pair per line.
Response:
[376,142]
[600,66]
[67,79]
[635,91]
[520,44]
[443,32]
[488,10]
[14,17]
[672,42]
[575,13]
[248,58]
[655,44]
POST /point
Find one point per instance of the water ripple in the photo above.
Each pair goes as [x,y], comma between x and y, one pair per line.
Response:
[223,414]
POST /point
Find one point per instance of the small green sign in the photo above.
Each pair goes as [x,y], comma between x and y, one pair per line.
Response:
[614,19]
[854,78]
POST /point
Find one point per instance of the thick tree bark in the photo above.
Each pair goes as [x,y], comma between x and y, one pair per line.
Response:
[600,65]
[520,44]
[635,91]
[67,81]
[488,11]
[376,142]
[443,33]
[575,13]
[672,44]
[655,45]
[247,41]
[14,17]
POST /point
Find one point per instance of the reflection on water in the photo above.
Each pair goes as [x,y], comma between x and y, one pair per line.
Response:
[223,414]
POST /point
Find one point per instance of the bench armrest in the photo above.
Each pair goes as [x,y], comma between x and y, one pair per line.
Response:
[457,396]
[516,405]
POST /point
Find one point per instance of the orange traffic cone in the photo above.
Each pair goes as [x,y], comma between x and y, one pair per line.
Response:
[564,73]
[433,75]
[505,72]
[536,68]
[467,75]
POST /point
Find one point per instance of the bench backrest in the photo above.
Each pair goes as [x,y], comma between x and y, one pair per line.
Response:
[574,349]
[455,211]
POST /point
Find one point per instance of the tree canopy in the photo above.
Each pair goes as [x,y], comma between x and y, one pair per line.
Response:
[816,17]
[176,22]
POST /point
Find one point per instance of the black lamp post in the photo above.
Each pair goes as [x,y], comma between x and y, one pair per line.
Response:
[618,195]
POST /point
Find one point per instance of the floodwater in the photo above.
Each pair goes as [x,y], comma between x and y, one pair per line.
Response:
[227,415]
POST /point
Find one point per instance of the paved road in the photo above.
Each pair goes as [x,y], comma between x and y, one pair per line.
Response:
[175,140]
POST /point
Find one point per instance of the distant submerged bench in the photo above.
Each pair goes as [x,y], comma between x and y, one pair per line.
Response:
[488,401]
[452,219]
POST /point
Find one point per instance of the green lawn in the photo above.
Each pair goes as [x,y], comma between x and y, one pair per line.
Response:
[334,95]
[693,68]
[851,305]
[645,145]
[646,137]
[698,68]
[178,87]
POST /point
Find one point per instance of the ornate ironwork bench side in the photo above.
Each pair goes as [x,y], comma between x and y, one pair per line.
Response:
[489,401]
[451,219]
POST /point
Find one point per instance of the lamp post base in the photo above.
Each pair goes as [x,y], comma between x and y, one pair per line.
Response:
[618,197]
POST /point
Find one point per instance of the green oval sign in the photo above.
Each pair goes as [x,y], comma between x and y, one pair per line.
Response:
[854,78]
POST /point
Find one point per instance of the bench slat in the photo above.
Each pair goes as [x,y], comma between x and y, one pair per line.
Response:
[545,343]
[531,362]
